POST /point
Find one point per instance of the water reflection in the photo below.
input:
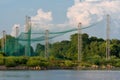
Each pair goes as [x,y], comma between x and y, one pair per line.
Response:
[59,75]
[14,75]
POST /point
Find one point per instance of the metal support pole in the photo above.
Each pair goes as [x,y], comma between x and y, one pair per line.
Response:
[79,42]
[46,43]
[28,37]
[108,38]
[16,43]
[4,42]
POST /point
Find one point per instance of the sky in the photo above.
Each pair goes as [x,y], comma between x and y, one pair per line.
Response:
[58,15]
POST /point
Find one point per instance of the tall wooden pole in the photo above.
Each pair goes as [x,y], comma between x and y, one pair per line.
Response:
[108,38]
[79,42]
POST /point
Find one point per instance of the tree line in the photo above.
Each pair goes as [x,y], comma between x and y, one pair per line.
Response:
[91,47]
[93,51]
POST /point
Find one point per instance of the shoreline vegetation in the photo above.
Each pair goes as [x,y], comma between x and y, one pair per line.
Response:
[39,63]
[4,68]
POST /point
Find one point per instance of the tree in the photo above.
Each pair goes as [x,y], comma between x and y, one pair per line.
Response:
[39,51]
[115,50]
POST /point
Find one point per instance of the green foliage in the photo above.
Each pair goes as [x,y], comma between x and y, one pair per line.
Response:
[68,63]
[115,50]
[15,61]
[85,64]
[96,59]
[33,63]
[21,60]
[39,50]
[2,54]
[44,63]
[117,64]
[1,60]
[10,62]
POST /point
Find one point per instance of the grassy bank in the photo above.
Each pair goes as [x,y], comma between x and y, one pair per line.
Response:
[39,63]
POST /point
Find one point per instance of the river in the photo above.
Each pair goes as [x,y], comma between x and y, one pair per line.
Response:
[60,75]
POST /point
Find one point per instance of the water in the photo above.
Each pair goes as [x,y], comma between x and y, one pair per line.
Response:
[60,75]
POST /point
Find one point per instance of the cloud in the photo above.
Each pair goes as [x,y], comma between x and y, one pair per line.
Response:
[91,11]
[41,19]
[42,22]
[92,0]
[77,1]
[85,11]
[15,31]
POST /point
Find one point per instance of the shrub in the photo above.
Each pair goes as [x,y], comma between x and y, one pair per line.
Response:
[85,64]
[1,60]
[33,63]
[10,62]
[21,60]
[68,63]
[117,64]
[44,64]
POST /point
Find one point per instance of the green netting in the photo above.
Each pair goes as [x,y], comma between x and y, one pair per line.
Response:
[40,36]
[21,45]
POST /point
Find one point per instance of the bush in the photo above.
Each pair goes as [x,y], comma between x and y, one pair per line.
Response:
[1,60]
[21,60]
[2,54]
[68,63]
[33,63]
[117,64]
[96,59]
[84,64]
[10,62]
[44,64]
